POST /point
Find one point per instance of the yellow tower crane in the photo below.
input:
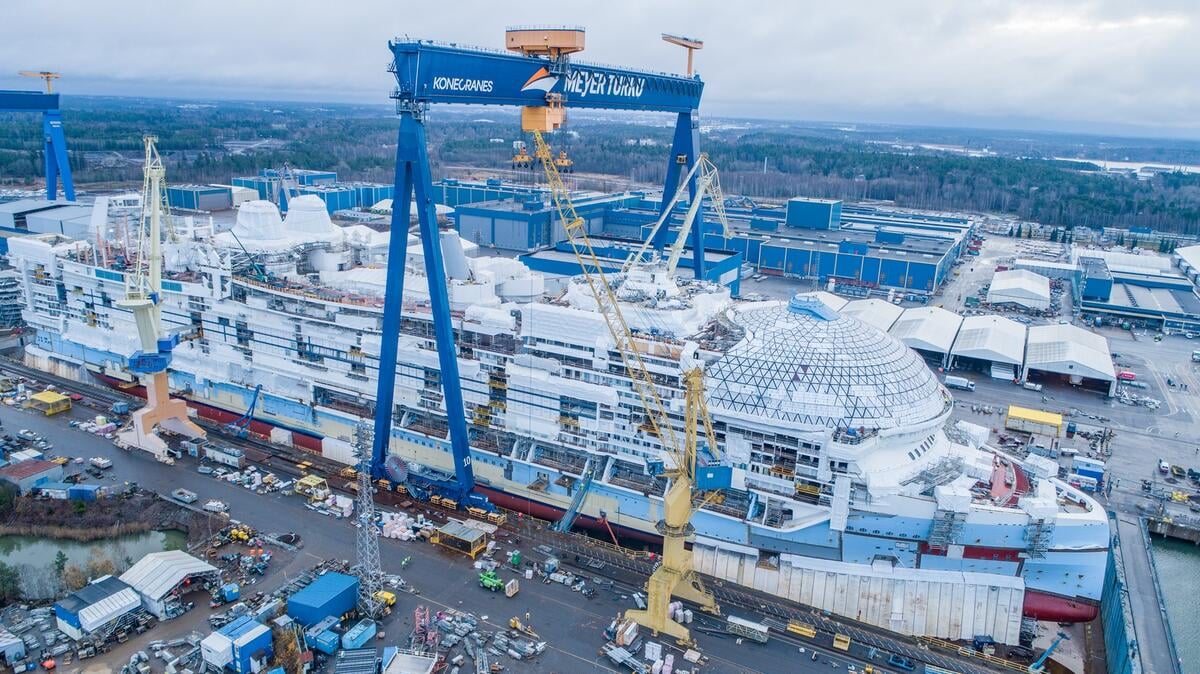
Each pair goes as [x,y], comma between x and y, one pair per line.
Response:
[675,575]
[46,75]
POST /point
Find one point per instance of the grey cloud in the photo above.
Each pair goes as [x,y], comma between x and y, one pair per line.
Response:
[1121,64]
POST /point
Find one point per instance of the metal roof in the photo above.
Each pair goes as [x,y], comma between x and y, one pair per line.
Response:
[927,328]
[877,313]
[1070,350]
[992,338]
[824,370]
[93,593]
[26,469]
[1019,283]
[158,573]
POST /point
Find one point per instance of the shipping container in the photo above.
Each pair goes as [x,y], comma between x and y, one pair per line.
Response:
[359,635]
[227,456]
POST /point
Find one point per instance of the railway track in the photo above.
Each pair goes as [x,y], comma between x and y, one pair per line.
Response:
[776,614]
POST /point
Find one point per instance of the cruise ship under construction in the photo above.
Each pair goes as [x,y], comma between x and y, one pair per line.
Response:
[852,492]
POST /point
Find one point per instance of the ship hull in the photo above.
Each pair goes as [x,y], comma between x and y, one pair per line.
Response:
[1037,604]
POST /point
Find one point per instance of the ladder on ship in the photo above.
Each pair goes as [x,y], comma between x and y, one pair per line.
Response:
[589,474]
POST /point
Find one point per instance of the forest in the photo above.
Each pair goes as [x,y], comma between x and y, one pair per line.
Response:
[212,142]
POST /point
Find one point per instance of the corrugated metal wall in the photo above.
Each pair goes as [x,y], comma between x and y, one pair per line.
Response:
[1116,617]
[940,607]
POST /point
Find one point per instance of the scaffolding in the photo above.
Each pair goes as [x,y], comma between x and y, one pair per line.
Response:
[370,570]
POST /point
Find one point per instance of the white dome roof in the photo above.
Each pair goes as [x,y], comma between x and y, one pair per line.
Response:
[805,364]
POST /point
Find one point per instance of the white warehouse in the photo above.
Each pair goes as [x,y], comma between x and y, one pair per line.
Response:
[1021,287]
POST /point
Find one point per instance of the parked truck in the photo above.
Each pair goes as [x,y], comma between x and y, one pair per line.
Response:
[961,383]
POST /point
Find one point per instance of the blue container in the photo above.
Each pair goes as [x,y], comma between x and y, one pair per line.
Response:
[333,594]
[230,591]
[359,635]
[327,642]
[83,492]
[713,477]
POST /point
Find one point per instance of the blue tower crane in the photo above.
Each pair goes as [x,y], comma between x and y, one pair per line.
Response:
[432,73]
[54,143]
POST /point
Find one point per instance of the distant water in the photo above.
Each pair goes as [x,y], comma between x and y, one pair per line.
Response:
[1178,565]
[33,556]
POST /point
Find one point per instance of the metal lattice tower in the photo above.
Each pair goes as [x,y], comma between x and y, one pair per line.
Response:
[370,570]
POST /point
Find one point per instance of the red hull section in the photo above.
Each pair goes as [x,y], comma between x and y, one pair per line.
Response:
[1058,609]
[1037,605]
[552,514]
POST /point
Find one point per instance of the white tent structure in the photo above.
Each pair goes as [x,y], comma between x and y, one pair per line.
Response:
[875,312]
[1071,351]
[994,342]
[1021,287]
[160,578]
[929,330]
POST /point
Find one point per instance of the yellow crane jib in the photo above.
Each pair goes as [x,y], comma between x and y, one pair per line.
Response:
[675,576]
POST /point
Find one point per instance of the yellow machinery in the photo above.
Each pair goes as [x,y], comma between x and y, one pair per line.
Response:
[675,575]
[45,75]
[314,487]
[563,163]
[49,402]
[522,159]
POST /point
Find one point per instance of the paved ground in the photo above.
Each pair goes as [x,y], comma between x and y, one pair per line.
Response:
[570,624]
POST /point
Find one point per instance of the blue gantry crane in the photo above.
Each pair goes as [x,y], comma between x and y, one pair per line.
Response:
[539,77]
[54,142]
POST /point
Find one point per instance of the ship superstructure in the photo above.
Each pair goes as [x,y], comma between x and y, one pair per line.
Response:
[843,466]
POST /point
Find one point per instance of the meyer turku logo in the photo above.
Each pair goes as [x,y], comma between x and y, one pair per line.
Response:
[584,83]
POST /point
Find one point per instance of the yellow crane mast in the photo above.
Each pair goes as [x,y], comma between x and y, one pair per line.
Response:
[675,576]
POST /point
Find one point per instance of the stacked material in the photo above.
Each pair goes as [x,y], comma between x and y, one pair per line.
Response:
[399,526]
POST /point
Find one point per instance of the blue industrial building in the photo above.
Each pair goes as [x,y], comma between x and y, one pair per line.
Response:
[805,238]
[530,222]
[719,266]
[806,213]
[267,188]
[369,194]
[336,197]
[200,197]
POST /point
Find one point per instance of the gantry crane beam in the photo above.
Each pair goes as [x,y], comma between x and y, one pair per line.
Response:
[54,142]
[429,73]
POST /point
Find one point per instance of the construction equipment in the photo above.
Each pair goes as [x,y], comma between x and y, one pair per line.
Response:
[44,75]
[532,77]
[241,426]
[675,575]
[488,580]
[708,184]
[370,569]
[515,623]
[688,43]
[563,163]
[522,158]
[54,142]
[1039,665]
[143,295]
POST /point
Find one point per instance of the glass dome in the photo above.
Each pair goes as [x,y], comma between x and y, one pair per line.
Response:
[805,364]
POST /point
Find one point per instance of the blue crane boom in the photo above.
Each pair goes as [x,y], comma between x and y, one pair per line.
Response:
[435,73]
[54,143]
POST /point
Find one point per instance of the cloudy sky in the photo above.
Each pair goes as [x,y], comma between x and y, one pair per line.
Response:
[1105,65]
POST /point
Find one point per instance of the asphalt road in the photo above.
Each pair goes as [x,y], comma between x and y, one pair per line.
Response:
[570,625]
